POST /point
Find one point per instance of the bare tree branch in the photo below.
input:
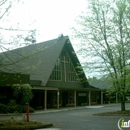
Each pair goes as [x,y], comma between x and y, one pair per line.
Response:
[2,2]
[5,11]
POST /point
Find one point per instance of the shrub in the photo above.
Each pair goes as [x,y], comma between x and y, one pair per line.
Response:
[31,110]
[12,109]
[22,109]
[15,108]
[12,106]
[3,108]
[19,109]
[12,102]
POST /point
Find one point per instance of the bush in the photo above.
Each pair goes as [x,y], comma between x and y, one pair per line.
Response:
[12,109]
[12,106]
[12,102]
[31,110]
[19,109]
[3,108]
[23,108]
[15,108]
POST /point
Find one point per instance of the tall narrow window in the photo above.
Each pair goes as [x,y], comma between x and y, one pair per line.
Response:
[71,73]
[56,74]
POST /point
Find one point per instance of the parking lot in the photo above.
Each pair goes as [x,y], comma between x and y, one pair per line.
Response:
[79,119]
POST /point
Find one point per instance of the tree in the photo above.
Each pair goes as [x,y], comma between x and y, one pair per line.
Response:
[12,33]
[24,91]
[105,34]
[12,36]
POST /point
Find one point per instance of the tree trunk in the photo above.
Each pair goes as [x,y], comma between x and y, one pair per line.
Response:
[123,102]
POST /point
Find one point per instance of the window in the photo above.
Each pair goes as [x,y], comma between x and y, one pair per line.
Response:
[56,74]
[71,73]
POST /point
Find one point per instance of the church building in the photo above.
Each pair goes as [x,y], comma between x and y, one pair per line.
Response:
[55,74]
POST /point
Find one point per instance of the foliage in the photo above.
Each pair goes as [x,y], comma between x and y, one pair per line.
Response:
[12,102]
[31,110]
[16,36]
[13,36]
[22,109]
[12,107]
[23,90]
[3,108]
[105,35]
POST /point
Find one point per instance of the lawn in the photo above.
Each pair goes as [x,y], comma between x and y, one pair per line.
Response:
[114,113]
[13,124]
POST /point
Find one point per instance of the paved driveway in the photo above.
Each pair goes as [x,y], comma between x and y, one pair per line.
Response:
[80,119]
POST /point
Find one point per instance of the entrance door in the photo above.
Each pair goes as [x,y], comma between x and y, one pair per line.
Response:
[54,99]
[49,100]
[82,98]
[64,99]
[71,98]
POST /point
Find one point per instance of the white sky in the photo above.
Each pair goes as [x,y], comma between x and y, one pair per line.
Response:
[49,17]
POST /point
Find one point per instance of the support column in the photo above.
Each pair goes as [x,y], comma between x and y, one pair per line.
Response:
[89,97]
[75,98]
[101,98]
[45,100]
[116,97]
[58,93]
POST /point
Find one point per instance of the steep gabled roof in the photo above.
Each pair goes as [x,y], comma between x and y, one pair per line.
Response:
[38,60]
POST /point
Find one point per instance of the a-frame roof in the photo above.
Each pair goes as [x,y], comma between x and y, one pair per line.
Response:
[39,59]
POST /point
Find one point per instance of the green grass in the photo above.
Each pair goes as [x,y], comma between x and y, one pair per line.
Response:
[114,113]
[13,124]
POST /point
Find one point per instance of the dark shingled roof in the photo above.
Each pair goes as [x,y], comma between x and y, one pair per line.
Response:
[100,84]
[38,60]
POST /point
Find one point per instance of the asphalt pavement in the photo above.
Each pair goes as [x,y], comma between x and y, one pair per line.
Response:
[79,118]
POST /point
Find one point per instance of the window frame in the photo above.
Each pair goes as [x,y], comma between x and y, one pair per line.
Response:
[57,71]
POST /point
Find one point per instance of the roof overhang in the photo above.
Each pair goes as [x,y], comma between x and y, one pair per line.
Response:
[43,88]
[65,89]
[79,89]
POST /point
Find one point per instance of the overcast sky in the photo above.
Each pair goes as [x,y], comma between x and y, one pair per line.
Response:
[49,17]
